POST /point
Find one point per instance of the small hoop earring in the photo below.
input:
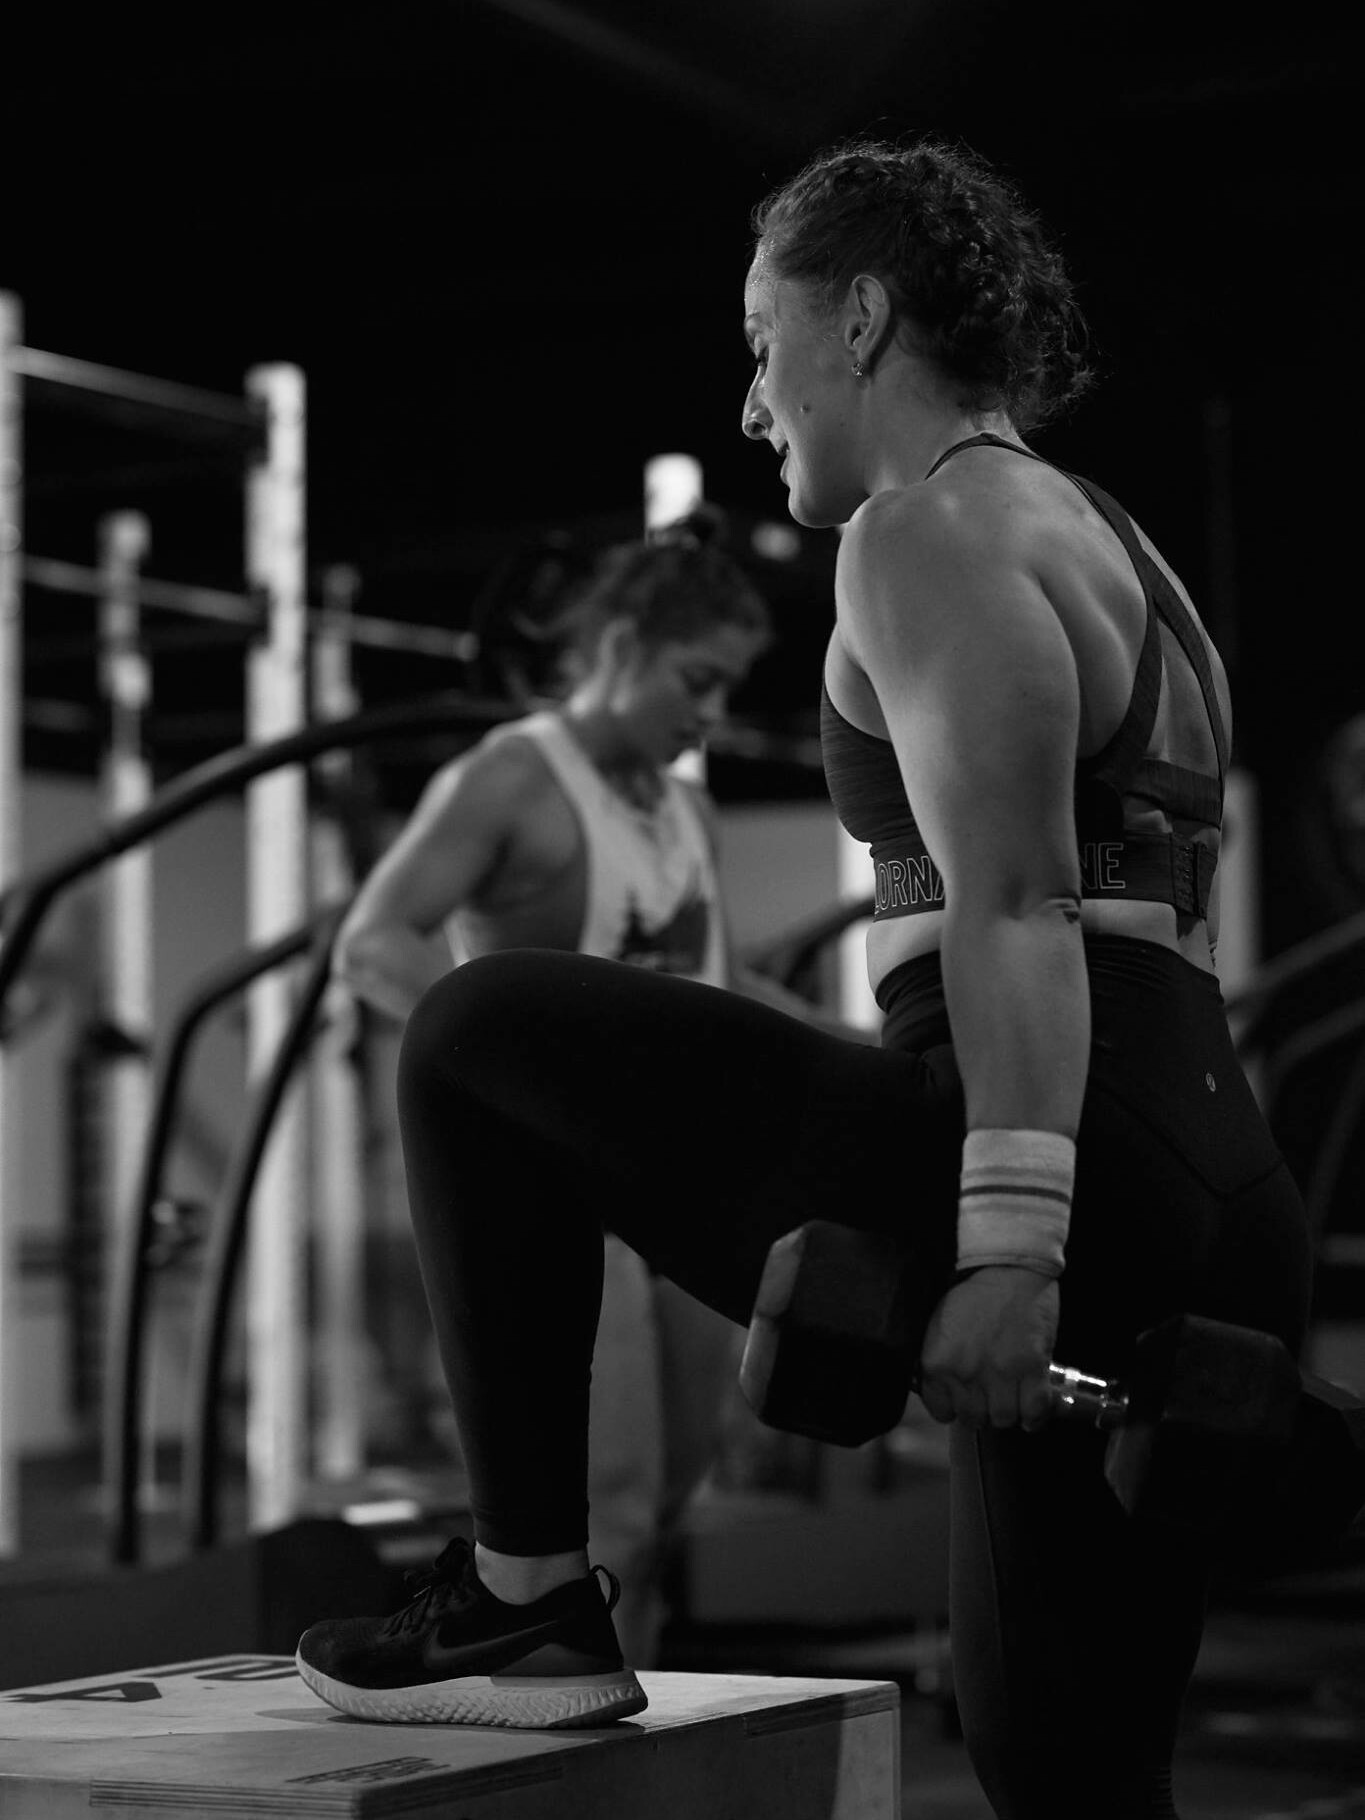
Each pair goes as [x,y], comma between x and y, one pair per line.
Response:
[859,370]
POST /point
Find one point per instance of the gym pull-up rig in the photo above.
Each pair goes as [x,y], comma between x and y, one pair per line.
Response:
[266,427]
[265,430]
[292,655]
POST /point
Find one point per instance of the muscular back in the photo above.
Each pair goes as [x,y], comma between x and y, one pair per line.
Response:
[998,533]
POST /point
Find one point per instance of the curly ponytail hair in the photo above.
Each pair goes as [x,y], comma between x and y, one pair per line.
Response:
[964,259]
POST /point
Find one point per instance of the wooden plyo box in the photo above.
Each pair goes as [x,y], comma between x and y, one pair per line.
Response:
[242,1735]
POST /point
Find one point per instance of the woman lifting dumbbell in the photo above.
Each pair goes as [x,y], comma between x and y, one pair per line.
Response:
[1025,722]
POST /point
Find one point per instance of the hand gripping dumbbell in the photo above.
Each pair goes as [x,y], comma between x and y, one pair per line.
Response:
[833,1348]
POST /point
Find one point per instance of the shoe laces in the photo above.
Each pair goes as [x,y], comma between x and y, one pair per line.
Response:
[430,1589]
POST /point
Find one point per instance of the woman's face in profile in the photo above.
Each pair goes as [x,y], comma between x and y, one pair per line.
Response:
[800,399]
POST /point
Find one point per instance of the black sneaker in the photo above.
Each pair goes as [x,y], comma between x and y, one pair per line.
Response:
[455,1655]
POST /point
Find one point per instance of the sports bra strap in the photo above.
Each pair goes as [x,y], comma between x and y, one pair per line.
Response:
[984,440]
[1123,761]
[1178,617]
[1188,795]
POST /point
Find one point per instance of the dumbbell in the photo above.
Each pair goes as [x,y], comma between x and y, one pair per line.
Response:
[834,1343]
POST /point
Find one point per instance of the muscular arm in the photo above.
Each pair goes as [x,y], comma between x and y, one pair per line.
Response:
[978,686]
[451,846]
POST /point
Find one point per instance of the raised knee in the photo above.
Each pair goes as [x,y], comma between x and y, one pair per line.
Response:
[459,1013]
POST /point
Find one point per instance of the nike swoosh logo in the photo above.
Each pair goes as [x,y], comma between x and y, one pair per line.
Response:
[489,1654]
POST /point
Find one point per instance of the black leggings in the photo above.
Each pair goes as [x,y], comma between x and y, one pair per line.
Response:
[545,1097]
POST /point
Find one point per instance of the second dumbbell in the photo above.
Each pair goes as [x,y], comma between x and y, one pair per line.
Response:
[834,1343]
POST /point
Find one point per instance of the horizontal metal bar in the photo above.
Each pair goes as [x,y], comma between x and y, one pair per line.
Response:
[398,635]
[179,597]
[213,603]
[134,388]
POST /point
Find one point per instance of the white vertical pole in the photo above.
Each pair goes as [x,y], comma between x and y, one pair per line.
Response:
[126,892]
[673,488]
[11,753]
[338,1100]
[277,901]
[1239,888]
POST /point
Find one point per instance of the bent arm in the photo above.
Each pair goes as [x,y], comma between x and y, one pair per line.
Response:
[450,847]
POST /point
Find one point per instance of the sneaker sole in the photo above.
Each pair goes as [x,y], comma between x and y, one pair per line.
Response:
[524,1702]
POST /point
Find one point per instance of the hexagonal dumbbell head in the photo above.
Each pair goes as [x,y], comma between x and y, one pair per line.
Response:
[1209,1403]
[828,1353]
[1312,1496]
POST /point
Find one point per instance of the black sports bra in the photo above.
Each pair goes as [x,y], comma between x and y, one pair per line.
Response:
[869,798]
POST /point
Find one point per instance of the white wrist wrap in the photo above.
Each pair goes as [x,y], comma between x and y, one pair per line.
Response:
[1014,1205]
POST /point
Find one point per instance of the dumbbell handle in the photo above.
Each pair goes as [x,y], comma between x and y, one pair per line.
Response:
[1102,1401]
[1075,1394]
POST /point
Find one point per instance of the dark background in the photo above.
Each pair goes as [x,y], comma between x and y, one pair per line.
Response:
[506,241]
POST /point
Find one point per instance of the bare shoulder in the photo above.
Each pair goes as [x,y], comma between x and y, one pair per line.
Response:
[914,557]
[498,778]
[900,519]
[929,526]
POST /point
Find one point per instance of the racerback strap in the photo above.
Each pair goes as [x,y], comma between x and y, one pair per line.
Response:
[1122,764]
